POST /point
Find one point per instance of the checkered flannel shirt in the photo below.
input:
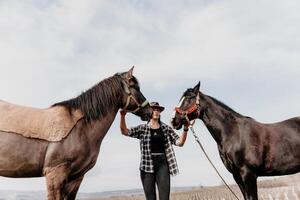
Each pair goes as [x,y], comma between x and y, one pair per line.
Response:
[142,132]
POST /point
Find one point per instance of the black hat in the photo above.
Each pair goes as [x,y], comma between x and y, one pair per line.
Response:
[157,106]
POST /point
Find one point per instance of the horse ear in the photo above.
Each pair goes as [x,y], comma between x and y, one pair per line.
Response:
[129,74]
[197,87]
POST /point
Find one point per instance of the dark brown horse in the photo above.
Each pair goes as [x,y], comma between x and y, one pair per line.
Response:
[65,163]
[247,148]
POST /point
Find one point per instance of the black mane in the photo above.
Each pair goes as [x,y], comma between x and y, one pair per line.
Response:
[224,106]
[98,100]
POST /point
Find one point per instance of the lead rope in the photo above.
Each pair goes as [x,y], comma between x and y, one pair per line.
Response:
[198,141]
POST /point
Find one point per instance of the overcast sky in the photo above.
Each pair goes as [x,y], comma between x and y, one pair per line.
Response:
[245,53]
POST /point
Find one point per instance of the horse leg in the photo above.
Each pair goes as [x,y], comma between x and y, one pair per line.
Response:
[72,188]
[238,179]
[56,178]
[250,183]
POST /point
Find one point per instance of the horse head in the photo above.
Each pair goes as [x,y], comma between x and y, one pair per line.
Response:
[188,108]
[133,100]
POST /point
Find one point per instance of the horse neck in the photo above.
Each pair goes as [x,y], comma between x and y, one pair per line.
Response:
[100,126]
[218,120]
[97,129]
[103,110]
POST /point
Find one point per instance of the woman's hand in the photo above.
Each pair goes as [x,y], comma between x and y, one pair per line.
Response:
[186,128]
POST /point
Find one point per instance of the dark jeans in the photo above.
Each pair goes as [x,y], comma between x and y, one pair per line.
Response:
[160,177]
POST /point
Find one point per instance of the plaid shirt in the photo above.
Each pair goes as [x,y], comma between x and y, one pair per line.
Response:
[142,132]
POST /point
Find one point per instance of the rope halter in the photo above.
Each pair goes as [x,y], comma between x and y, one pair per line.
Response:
[194,107]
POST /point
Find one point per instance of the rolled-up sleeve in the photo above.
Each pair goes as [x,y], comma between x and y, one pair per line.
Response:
[135,132]
[173,135]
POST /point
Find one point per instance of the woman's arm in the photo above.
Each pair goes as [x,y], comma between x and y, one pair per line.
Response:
[180,142]
[134,132]
[123,127]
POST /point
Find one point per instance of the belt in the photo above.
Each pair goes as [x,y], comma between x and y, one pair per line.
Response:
[157,154]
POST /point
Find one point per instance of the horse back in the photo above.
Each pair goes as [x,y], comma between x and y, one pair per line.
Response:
[277,150]
[51,124]
[267,149]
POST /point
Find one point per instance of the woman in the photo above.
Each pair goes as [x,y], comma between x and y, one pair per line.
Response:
[157,155]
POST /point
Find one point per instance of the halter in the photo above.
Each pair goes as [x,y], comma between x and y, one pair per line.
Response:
[184,113]
[129,97]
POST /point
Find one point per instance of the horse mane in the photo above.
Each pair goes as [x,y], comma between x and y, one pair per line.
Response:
[220,103]
[97,101]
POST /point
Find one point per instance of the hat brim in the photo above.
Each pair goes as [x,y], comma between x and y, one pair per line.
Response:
[158,107]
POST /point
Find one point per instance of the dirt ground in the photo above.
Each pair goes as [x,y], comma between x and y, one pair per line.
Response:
[284,188]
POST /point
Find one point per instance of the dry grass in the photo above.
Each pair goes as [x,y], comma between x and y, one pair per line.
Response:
[285,188]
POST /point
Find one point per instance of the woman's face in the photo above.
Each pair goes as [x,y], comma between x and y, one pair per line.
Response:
[156,113]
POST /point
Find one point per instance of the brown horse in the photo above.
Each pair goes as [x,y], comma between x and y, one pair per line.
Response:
[247,148]
[64,163]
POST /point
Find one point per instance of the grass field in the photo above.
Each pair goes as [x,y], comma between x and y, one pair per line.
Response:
[284,188]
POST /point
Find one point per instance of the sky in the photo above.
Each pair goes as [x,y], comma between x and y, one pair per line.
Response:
[245,53]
